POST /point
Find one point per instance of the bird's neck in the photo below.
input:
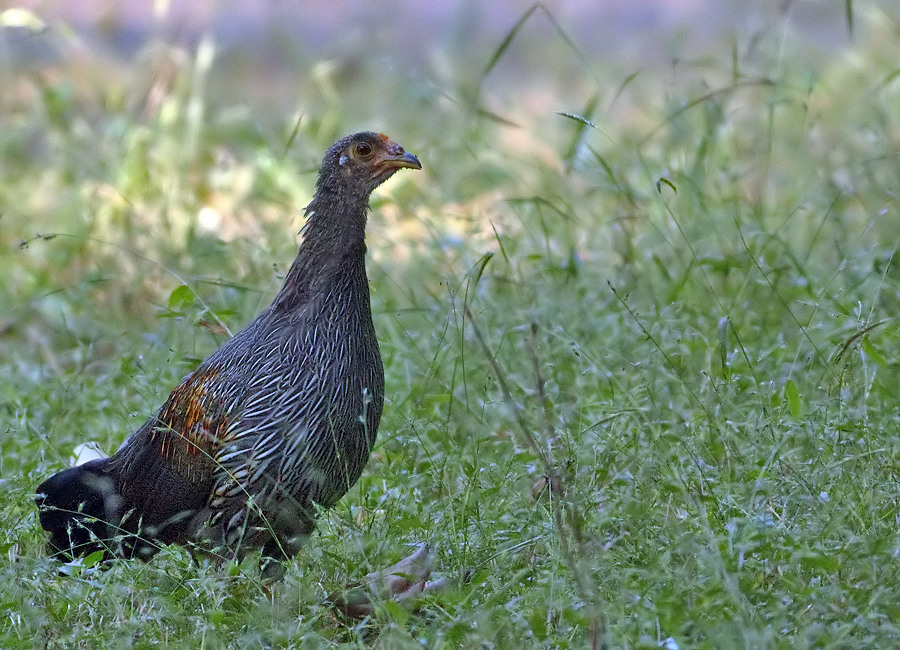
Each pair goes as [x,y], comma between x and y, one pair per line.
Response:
[334,223]
[332,253]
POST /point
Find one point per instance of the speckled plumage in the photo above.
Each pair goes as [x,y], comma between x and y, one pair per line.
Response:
[278,421]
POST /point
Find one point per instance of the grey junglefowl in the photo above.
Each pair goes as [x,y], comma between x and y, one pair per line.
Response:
[275,424]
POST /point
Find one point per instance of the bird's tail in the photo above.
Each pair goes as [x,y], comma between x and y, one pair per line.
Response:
[81,510]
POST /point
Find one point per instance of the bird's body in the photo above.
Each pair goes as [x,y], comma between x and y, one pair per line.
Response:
[278,421]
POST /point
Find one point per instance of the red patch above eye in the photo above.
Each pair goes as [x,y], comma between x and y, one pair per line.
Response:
[383,137]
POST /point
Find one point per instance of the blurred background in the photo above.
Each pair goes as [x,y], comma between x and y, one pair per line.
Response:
[543,85]
[283,56]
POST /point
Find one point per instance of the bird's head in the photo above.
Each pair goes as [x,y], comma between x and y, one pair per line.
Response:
[363,161]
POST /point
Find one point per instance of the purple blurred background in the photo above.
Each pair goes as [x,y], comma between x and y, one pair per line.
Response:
[413,66]
[631,32]
[267,43]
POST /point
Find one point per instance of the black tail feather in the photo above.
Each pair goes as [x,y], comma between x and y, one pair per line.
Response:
[81,510]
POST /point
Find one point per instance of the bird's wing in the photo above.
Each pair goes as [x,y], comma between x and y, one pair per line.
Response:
[166,469]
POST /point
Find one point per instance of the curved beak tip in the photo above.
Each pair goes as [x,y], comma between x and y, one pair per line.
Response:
[408,160]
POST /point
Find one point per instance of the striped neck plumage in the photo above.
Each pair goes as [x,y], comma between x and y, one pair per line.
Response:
[333,247]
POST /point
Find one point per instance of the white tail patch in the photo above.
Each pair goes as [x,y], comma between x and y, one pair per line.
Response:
[86,452]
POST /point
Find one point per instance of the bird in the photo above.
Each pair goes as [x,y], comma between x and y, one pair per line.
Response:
[274,426]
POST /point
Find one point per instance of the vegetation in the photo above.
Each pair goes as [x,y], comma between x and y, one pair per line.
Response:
[640,353]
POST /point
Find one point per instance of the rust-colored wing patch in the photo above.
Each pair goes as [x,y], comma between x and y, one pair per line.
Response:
[192,422]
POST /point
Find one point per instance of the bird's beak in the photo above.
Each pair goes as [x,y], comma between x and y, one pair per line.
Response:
[391,157]
[394,157]
[399,160]
[408,160]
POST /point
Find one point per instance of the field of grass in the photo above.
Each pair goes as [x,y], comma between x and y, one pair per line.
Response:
[641,357]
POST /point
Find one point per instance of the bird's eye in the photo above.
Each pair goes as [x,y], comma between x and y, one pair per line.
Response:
[363,150]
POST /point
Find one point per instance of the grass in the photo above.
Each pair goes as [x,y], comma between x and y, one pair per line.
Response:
[640,357]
